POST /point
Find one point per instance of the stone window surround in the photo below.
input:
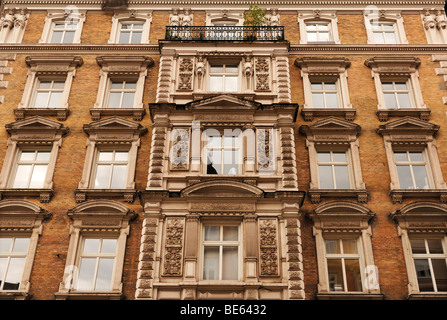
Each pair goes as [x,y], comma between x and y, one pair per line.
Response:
[414,134]
[111,133]
[326,16]
[13,25]
[392,16]
[47,68]
[22,218]
[224,14]
[334,134]
[58,15]
[112,219]
[121,68]
[339,219]
[398,69]
[325,69]
[420,219]
[31,132]
[131,15]
[435,26]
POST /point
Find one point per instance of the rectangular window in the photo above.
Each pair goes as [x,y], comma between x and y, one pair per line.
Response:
[122,94]
[13,251]
[221,252]
[430,261]
[31,168]
[343,265]
[411,169]
[131,32]
[384,32]
[96,264]
[111,169]
[396,95]
[224,78]
[48,94]
[324,94]
[318,32]
[223,153]
[63,32]
[333,170]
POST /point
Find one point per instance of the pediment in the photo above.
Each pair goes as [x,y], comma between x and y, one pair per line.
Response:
[99,208]
[222,189]
[408,125]
[35,123]
[331,125]
[23,207]
[226,101]
[114,123]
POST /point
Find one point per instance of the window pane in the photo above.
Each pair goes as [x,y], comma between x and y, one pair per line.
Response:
[423,275]
[3,262]
[43,156]
[130,85]
[108,246]
[401,85]
[230,83]
[318,100]
[216,68]
[349,246]
[138,26]
[339,156]
[323,36]
[128,100]
[400,156]
[325,173]
[216,83]
[104,275]
[212,233]
[86,274]
[435,245]
[20,245]
[114,100]
[312,36]
[211,263]
[404,174]
[91,245]
[214,162]
[378,38]
[335,274]
[330,86]
[230,162]
[353,278]
[420,177]
[136,37]
[55,100]
[404,100]
[390,38]
[27,155]
[342,177]
[390,100]
[56,37]
[316,86]
[14,274]
[231,69]
[105,156]
[22,176]
[117,85]
[417,245]
[102,177]
[118,177]
[5,244]
[230,233]
[41,100]
[333,246]
[416,156]
[440,271]
[231,141]
[229,263]
[121,156]
[38,176]
[387,86]
[331,100]
[214,141]
[324,156]
[69,36]
[58,84]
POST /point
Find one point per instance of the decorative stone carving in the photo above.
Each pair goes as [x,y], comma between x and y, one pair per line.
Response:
[288,158]
[157,154]
[265,149]
[429,22]
[262,74]
[173,247]
[185,74]
[179,153]
[268,248]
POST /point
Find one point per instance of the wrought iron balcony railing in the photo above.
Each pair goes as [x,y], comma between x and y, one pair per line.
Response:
[225,33]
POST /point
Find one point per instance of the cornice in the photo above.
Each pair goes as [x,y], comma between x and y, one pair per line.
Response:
[79,48]
[368,48]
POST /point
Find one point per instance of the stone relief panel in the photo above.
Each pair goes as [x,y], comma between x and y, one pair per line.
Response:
[173,258]
[268,246]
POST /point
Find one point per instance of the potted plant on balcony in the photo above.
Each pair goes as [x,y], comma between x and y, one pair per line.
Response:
[254,17]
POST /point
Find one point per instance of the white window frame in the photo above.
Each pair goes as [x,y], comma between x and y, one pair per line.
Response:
[33,163]
[410,163]
[324,91]
[13,255]
[223,74]
[395,91]
[221,244]
[321,17]
[55,16]
[390,17]
[112,163]
[333,163]
[50,91]
[144,17]
[232,16]
[121,90]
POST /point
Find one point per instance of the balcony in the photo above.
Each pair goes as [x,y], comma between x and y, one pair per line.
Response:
[225,33]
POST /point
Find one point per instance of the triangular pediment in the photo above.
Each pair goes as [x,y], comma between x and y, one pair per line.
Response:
[222,189]
[36,123]
[223,101]
[114,123]
[331,124]
[408,125]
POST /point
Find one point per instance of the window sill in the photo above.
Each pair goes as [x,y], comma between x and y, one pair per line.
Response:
[309,113]
[397,195]
[349,296]
[316,194]
[60,113]
[422,113]
[44,195]
[137,113]
[428,296]
[14,295]
[128,195]
[89,295]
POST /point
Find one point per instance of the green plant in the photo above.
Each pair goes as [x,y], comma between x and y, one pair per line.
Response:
[255,16]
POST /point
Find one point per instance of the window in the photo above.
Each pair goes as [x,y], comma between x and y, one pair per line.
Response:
[63,32]
[131,32]
[318,32]
[111,169]
[96,264]
[430,261]
[324,94]
[221,250]
[31,169]
[412,169]
[122,94]
[131,27]
[13,252]
[333,170]
[384,33]
[49,94]
[224,78]
[397,95]
[223,153]
[343,265]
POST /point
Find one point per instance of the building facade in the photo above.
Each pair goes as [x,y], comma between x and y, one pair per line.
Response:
[167,150]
